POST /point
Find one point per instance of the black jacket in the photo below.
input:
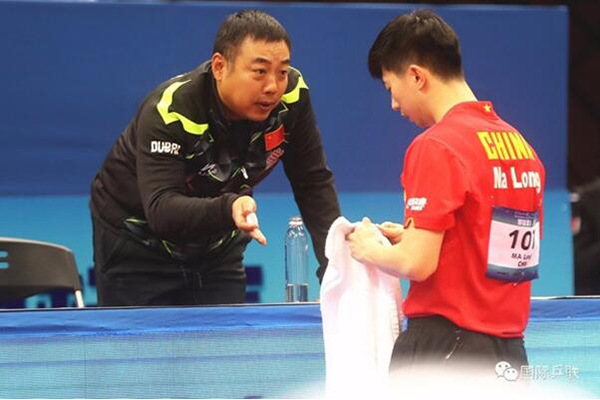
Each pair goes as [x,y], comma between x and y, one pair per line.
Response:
[175,171]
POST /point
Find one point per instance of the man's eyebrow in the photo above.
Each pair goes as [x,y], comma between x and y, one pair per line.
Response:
[263,60]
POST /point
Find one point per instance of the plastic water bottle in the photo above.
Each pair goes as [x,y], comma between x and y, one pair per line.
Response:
[296,261]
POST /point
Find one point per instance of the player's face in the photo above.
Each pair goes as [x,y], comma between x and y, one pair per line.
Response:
[251,85]
[406,96]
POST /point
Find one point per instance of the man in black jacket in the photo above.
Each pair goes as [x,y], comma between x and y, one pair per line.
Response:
[171,206]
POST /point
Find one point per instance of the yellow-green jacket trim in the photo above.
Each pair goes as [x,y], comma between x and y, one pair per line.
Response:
[294,95]
[163,109]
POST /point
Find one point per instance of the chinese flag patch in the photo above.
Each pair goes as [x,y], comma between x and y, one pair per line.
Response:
[274,138]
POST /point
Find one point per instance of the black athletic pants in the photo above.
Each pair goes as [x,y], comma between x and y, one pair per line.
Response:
[128,273]
[436,341]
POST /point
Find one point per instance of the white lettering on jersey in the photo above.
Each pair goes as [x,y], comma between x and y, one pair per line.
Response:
[523,180]
[158,146]
[416,203]
[527,179]
[500,181]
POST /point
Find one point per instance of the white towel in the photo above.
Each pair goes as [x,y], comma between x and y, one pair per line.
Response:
[361,312]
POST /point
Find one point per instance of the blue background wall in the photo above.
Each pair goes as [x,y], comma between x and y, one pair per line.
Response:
[73,74]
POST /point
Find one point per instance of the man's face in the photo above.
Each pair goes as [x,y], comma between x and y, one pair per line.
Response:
[407,96]
[251,85]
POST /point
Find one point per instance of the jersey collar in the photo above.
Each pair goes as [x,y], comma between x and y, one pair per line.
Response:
[485,108]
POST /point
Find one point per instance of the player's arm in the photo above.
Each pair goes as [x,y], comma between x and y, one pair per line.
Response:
[415,257]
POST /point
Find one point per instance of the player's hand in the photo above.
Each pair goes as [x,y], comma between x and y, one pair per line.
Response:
[243,212]
[392,231]
[362,238]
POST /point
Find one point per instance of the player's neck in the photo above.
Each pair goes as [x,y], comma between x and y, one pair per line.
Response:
[449,94]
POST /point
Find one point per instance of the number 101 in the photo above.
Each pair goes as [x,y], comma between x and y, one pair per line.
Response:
[527,239]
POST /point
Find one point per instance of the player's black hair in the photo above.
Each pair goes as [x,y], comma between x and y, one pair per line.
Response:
[421,37]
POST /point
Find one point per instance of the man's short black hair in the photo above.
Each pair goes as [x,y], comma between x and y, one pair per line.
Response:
[248,23]
[421,38]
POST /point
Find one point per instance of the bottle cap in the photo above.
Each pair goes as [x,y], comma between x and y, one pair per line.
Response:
[296,220]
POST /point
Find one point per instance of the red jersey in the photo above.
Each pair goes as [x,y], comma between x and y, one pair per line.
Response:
[475,177]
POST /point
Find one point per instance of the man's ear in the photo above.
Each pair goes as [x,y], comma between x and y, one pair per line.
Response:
[218,65]
[418,76]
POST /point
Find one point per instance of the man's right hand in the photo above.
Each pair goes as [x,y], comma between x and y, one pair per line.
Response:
[392,231]
[243,212]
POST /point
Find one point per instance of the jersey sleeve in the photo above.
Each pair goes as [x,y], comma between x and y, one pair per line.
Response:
[435,185]
[541,209]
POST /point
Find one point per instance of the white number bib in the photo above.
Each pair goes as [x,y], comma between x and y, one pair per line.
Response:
[514,249]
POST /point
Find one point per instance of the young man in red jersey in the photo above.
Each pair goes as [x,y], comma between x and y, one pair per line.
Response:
[473,207]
